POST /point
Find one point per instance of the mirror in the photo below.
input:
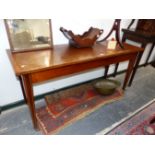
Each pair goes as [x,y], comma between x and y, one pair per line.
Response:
[29,34]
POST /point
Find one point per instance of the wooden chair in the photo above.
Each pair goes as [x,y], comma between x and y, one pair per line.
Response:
[144,33]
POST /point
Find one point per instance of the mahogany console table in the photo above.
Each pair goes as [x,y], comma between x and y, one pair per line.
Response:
[38,66]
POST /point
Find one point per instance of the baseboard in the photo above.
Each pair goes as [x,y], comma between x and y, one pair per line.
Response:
[38,97]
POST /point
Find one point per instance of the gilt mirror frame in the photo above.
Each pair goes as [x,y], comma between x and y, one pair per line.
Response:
[44,42]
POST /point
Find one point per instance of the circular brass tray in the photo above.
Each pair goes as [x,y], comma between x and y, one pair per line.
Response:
[106,86]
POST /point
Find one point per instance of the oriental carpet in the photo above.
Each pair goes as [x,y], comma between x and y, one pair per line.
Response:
[69,105]
[141,122]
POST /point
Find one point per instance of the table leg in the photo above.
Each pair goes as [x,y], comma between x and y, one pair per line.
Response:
[30,98]
[22,87]
[129,70]
[106,71]
[115,70]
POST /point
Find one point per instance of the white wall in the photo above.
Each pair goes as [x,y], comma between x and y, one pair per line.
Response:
[10,90]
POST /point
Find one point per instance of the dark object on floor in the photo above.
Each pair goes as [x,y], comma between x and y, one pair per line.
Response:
[142,123]
[87,39]
[70,105]
[106,86]
[153,64]
[152,121]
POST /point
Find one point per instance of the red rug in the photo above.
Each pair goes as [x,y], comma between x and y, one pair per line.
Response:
[140,123]
[67,106]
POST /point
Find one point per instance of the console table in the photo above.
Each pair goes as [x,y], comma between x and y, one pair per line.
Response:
[38,66]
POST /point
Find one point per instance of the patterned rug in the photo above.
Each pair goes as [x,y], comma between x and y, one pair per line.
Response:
[69,105]
[141,122]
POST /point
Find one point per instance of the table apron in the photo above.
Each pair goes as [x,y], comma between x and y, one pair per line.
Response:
[48,74]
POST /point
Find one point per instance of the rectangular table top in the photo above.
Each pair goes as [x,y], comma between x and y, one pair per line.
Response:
[63,55]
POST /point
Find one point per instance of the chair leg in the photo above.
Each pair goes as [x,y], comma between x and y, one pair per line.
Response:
[135,68]
[136,65]
[150,52]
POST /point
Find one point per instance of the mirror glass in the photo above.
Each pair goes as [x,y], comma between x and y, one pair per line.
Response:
[29,34]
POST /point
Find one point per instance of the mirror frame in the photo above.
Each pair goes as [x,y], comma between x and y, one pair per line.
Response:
[27,49]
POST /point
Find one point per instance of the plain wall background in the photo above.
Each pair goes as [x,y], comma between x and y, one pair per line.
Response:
[10,90]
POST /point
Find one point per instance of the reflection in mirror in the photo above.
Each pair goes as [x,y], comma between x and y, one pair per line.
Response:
[29,34]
